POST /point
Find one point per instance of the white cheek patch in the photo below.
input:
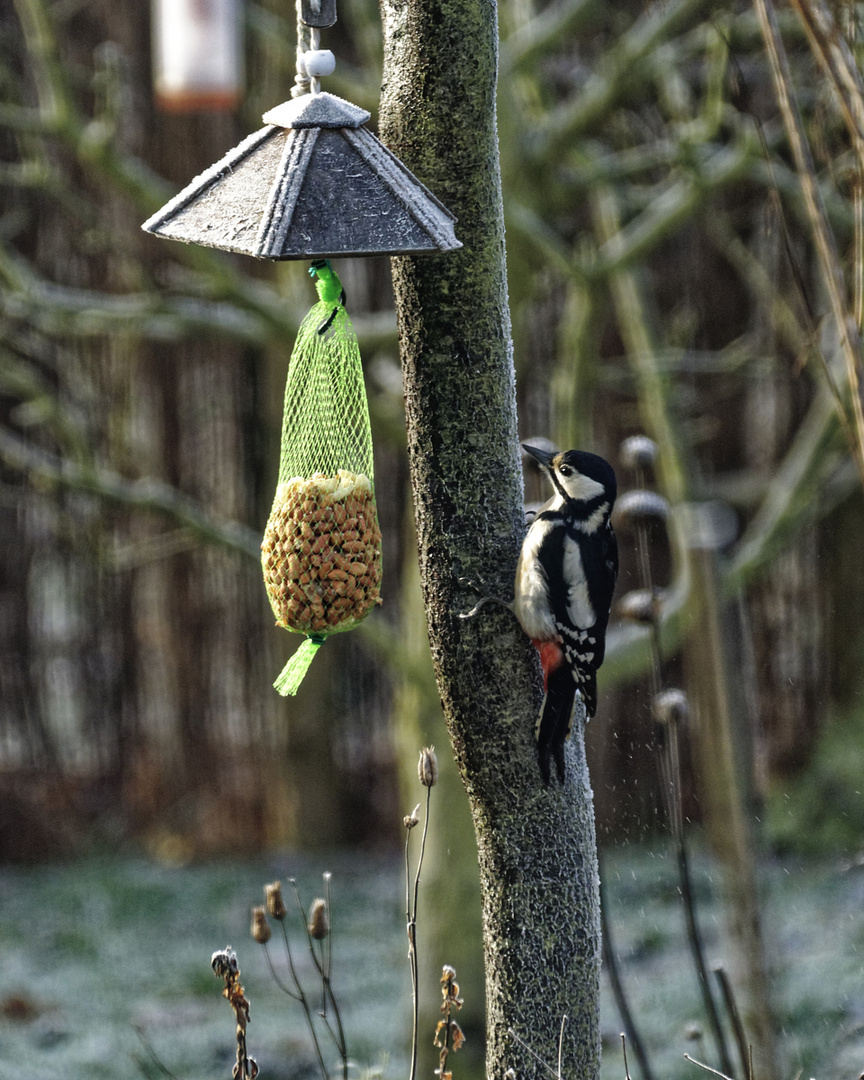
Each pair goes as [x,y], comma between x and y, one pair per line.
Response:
[579,606]
[581,488]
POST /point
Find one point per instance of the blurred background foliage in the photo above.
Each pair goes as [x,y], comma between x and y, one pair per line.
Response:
[664,278]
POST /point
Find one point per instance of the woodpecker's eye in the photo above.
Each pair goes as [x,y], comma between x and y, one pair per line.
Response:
[565,470]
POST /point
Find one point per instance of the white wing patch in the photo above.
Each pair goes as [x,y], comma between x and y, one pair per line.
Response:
[579,606]
[531,606]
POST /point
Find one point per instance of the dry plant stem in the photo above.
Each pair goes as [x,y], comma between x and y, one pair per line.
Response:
[698,952]
[832,273]
[670,773]
[735,1018]
[707,1068]
[151,1053]
[338,1036]
[303,1000]
[610,963]
[726,817]
[411,919]
[634,323]
[285,989]
[624,1052]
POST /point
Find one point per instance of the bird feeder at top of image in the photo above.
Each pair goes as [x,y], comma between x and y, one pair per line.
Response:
[313,184]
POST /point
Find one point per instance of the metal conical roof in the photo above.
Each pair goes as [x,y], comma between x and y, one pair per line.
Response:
[312,183]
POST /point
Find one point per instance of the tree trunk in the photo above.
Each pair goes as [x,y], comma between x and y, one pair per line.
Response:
[536,844]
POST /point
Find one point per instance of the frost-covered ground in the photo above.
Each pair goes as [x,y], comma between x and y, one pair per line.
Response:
[105,963]
[813,924]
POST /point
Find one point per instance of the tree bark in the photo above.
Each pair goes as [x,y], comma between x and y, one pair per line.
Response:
[536,844]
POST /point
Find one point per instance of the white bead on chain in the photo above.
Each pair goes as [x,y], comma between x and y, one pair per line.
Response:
[313,62]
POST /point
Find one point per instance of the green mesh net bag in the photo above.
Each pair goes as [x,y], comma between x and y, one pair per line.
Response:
[321,552]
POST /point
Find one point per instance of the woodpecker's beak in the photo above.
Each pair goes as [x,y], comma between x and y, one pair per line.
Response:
[544,457]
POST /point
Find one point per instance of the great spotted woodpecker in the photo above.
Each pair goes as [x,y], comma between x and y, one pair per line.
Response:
[564,583]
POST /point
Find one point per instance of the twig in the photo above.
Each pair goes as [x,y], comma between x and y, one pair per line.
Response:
[150,495]
[707,1068]
[534,1055]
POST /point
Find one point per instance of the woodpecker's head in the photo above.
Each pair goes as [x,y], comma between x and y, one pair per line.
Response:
[578,477]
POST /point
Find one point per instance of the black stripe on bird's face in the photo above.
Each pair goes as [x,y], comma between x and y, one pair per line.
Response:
[577,476]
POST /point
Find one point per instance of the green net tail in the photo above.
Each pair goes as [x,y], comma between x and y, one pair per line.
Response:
[295,670]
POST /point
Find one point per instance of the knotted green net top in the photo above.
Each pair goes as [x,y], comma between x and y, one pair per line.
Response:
[325,425]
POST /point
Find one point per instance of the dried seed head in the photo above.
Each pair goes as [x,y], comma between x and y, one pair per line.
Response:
[224,962]
[275,904]
[639,606]
[319,920]
[639,506]
[427,767]
[671,707]
[638,452]
[260,926]
[412,819]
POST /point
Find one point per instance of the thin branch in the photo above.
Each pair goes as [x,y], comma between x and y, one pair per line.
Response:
[616,75]
[829,260]
[152,496]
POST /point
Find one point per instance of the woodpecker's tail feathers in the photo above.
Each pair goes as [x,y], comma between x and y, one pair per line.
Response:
[555,720]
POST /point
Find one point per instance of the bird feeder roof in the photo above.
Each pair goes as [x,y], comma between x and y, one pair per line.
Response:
[311,184]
